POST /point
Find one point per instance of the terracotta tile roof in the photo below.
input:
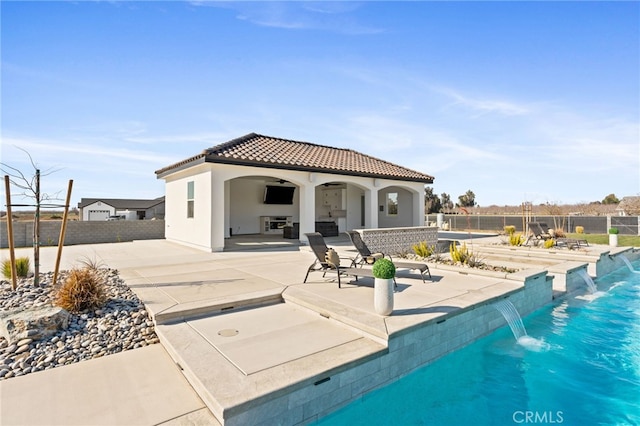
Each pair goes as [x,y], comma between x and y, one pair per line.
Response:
[266,151]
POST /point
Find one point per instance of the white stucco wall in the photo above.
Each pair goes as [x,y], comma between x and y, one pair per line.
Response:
[405,208]
[230,197]
[354,207]
[194,231]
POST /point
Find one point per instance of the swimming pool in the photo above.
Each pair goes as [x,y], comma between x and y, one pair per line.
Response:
[581,367]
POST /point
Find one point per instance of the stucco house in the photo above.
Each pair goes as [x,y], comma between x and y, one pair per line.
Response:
[259,184]
[131,209]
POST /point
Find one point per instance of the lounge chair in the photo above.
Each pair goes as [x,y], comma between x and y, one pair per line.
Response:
[538,231]
[365,257]
[324,264]
[571,243]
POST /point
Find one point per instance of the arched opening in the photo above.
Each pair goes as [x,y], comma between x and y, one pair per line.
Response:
[262,205]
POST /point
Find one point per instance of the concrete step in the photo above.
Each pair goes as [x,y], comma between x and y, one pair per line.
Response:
[245,365]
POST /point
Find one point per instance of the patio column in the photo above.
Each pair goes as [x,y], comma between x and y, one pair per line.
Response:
[227,209]
[307,208]
[217,213]
[371,208]
[418,209]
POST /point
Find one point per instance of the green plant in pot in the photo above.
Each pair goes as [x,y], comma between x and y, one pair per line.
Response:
[384,269]
[384,272]
[613,237]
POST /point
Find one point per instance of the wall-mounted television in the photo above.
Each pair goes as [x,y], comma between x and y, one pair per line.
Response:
[278,194]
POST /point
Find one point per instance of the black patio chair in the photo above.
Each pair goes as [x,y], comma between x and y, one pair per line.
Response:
[364,257]
[328,262]
[538,231]
[322,263]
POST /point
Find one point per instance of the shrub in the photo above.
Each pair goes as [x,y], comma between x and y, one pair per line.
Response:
[384,269]
[459,255]
[82,289]
[516,239]
[580,229]
[549,243]
[559,233]
[613,230]
[423,250]
[475,260]
[91,263]
[23,265]
[509,229]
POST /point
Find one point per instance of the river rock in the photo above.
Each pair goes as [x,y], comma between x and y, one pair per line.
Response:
[32,323]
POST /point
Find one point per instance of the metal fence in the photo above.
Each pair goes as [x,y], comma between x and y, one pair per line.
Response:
[627,225]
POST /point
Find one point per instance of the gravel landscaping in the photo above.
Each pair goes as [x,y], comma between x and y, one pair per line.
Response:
[121,324]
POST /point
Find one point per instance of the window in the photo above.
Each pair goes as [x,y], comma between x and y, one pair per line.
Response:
[190,197]
[392,204]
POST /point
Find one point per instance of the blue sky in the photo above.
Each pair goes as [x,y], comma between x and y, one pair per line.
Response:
[516,101]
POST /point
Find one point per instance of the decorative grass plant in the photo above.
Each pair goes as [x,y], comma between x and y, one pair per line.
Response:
[423,250]
[516,239]
[23,265]
[82,289]
[459,254]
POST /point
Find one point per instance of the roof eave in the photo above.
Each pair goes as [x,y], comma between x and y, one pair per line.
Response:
[182,165]
[237,162]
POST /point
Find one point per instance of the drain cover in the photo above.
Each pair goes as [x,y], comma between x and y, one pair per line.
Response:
[228,332]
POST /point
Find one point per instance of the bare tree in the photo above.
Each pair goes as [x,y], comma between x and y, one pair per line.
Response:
[631,205]
[556,211]
[30,187]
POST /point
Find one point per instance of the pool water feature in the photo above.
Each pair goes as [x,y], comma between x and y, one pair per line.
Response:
[629,265]
[591,285]
[586,372]
[510,313]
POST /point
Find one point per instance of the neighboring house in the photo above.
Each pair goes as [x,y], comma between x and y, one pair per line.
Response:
[260,184]
[629,206]
[105,208]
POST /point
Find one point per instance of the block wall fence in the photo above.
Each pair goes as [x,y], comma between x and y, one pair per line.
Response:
[83,232]
[93,232]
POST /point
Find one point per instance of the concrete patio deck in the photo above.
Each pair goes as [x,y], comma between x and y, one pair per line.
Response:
[234,356]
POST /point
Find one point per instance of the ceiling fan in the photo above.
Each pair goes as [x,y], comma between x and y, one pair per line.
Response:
[280,181]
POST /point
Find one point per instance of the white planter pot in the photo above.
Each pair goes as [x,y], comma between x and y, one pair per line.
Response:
[613,240]
[383,296]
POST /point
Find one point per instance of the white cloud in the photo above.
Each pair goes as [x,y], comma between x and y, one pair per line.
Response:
[483,106]
[325,16]
[70,152]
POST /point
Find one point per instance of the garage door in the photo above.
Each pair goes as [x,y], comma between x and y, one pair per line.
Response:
[98,214]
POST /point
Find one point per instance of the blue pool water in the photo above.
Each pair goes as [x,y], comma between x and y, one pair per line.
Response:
[581,367]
